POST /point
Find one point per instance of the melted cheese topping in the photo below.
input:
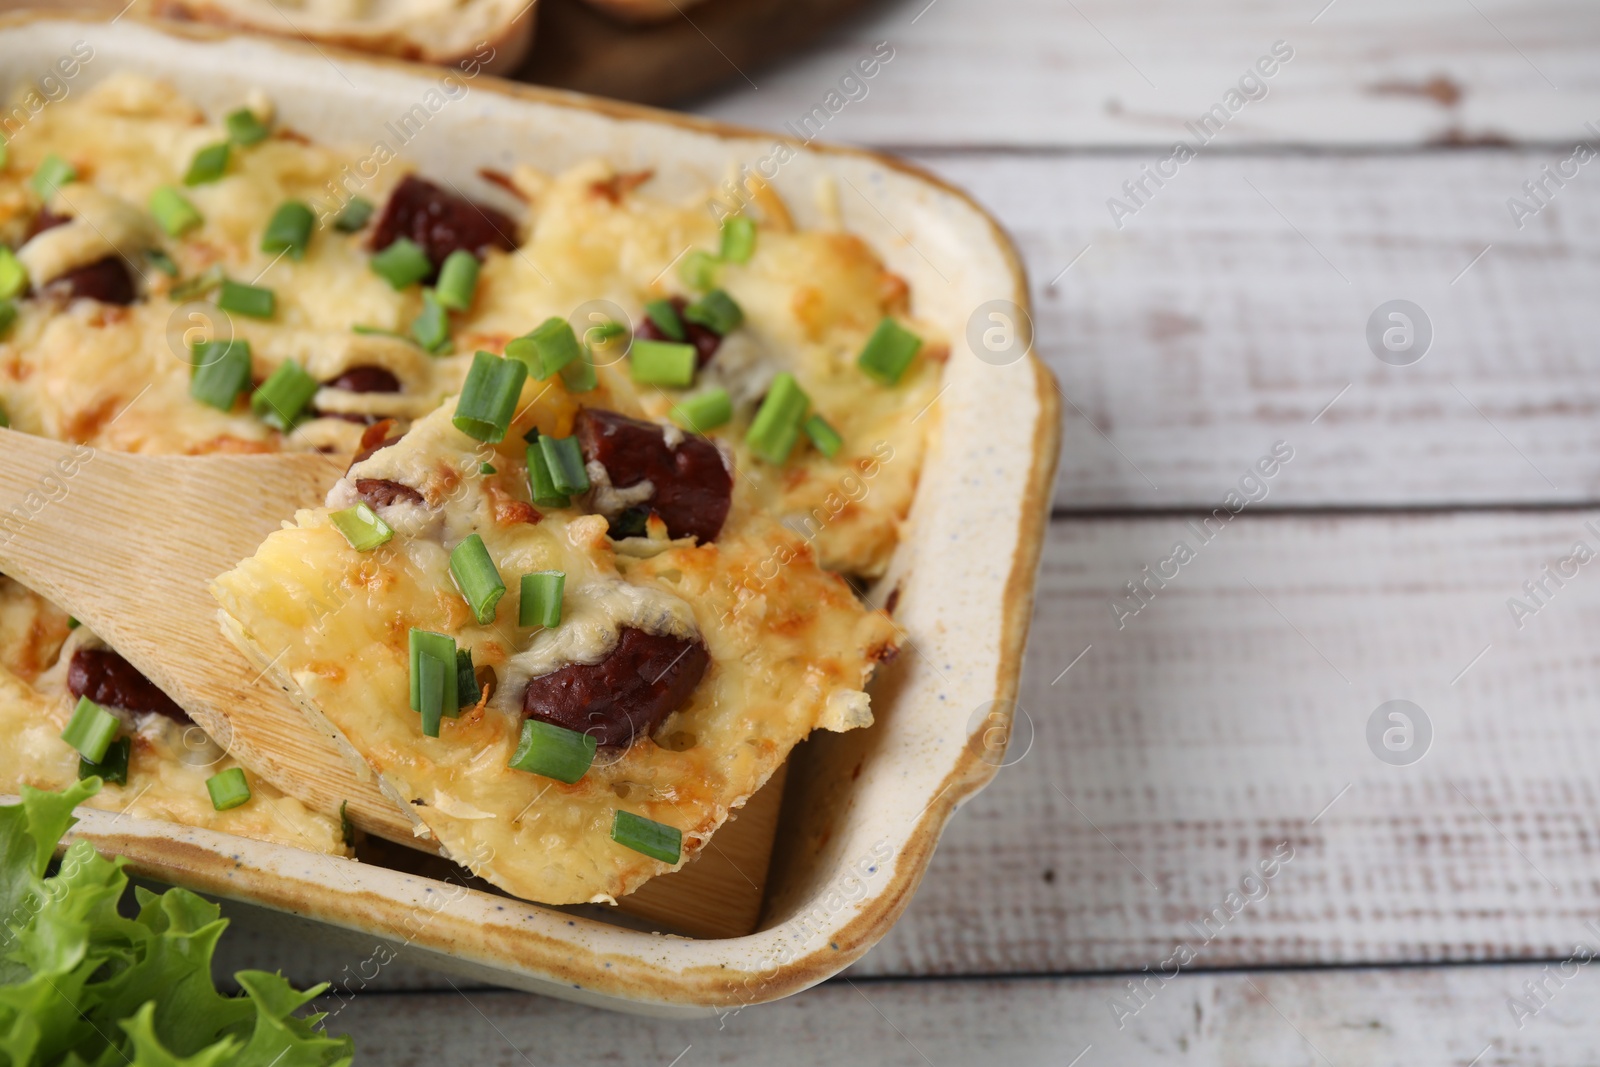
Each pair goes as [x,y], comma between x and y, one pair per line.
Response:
[786,657]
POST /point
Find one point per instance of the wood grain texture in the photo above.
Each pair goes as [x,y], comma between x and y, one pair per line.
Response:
[1390,1018]
[1231,310]
[1097,72]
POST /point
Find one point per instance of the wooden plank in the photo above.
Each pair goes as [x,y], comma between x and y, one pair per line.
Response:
[1455,1016]
[1231,310]
[1185,748]
[1098,72]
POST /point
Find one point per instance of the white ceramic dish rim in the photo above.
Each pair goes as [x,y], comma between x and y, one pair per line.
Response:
[966,569]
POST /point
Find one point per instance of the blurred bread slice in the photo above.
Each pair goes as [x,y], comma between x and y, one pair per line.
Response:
[494,34]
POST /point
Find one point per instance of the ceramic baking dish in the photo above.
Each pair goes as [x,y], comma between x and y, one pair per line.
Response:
[862,811]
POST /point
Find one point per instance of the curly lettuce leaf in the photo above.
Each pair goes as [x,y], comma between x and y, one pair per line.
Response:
[83,986]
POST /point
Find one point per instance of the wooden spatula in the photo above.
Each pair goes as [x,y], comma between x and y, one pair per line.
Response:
[127,544]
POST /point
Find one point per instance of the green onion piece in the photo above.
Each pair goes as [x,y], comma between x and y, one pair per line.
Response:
[13,275]
[776,427]
[91,730]
[431,327]
[889,351]
[600,333]
[289,230]
[209,164]
[251,300]
[5,153]
[354,215]
[198,286]
[440,648]
[704,412]
[283,396]
[487,468]
[663,363]
[553,751]
[578,376]
[550,347]
[8,318]
[477,578]
[458,280]
[825,437]
[73,624]
[112,767]
[402,263]
[564,459]
[466,678]
[738,239]
[656,840]
[716,311]
[540,485]
[361,526]
[489,398]
[221,372]
[53,173]
[173,211]
[244,128]
[698,270]
[162,262]
[665,316]
[5,424]
[541,599]
[228,789]
[431,674]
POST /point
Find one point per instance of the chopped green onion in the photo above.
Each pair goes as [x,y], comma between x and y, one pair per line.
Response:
[354,215]
[489,398]
[112,767]
[564,459]
[466,678]
[578,376]
[546,349]
[283,396]
[602,332]
[553,751]
[431,327]
[441,649]
[361,526]
[13,275]
[8,317]
[209,164]
[173,211]
[458,280]
[289,230]
[716,311]
[251,300]
[698,270]
[541,486]
[825,437]
[73,624]
[541,599]
[5,153]
[5,424]
[477,578]
[704,412]
[53,173]
[228,789]
[487,468]
[738,239]
[91,730]
[656,840]
[665,316]
[221,372]
[776,427]
[199,285]
[402,263]
[889,351]
[162,262]
[244,128]
[663,363]
[431,686]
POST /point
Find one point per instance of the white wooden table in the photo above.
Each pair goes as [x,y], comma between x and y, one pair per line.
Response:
[1228,719]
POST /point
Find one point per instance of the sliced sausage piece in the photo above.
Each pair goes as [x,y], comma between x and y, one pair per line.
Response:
[645,678]
[441,222]
[692,484]
[366,379]
[381,492]
[704,339]
[44,220]
[106,678]
[106,280]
